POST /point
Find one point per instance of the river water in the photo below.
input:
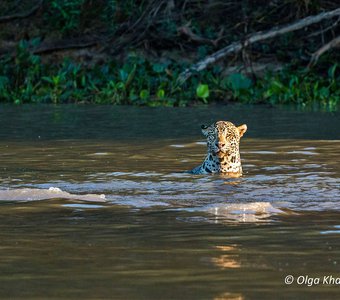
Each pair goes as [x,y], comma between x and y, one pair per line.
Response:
[95,203]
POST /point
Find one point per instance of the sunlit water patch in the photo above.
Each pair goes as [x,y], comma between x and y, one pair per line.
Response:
[284,179]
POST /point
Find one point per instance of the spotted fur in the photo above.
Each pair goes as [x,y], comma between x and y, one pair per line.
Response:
[223,141]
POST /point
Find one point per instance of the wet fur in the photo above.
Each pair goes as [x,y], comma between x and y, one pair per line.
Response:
[223,156]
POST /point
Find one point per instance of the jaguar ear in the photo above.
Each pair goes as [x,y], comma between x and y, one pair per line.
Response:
[204,129]
[242,129]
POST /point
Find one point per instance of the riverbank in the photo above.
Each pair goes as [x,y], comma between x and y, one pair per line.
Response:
[141,82]
[129,53]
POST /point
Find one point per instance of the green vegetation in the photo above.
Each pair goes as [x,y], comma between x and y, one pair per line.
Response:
[145,45]
[140,82]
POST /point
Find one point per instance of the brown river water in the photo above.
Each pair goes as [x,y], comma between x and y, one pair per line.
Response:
[95,204]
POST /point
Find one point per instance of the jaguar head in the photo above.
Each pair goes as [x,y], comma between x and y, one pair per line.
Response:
[223,137]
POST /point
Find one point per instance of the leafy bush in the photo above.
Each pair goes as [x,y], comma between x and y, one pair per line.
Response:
[138,81]
[302,87]
[65,14]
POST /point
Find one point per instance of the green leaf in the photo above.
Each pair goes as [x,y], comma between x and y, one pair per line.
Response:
[48,79]
[202,91]
[331,71]
[35,59]
[158,68]
[144,94]
[123,75]
[324,93]
[238,81]
[83,80]
[131,76]
[3,82]
[160,93]
[120,85]
[277,86]
[132,95]
[56,79]
[111,84]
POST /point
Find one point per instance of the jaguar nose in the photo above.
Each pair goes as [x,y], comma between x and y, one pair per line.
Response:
[220,145]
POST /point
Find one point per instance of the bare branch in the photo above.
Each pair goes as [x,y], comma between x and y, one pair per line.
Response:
[316,55]
[23,15]
[325,29]
[256,37]
[54,46]
[64,45]
[186,31]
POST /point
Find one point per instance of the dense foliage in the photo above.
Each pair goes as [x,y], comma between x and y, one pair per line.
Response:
[131,52]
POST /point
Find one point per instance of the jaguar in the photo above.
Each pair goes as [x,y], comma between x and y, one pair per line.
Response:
[223,141]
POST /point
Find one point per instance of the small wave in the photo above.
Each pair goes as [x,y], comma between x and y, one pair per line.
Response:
[32,194]
[243,212]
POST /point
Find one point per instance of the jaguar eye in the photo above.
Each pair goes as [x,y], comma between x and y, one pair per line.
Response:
[204,126]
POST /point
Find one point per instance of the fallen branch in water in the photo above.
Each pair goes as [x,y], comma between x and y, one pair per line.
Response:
[23,15]
[256,37]
[316,55]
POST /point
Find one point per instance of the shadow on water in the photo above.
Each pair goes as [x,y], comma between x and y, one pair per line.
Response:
[95,204]
[31,122]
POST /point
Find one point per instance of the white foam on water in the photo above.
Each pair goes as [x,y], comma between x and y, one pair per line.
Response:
[34,194]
